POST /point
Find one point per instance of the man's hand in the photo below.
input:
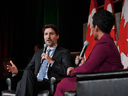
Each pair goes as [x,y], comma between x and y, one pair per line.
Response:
[12,68]
[45,56]
[69,69]
[79,58]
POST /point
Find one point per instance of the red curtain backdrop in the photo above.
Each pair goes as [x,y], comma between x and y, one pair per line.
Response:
[6,37]
[17,31]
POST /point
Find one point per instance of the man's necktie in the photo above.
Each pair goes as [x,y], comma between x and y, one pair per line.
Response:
[42,70]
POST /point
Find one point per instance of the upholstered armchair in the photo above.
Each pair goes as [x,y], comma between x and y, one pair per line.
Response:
[110,83]
[12,83]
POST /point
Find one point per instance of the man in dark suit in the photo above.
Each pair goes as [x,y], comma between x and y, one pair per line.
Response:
[43,65]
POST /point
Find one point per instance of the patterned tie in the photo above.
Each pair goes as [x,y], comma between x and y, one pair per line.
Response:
[42,70]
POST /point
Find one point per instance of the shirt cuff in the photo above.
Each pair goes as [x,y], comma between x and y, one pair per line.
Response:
[13,75]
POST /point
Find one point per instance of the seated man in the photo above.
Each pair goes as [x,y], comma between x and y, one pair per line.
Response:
[43,65]
[103,57]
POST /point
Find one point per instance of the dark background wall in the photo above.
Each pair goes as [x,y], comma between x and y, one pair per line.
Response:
[21,23]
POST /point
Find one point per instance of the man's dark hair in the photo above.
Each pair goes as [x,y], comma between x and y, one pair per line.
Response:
[104,20]
[55,28]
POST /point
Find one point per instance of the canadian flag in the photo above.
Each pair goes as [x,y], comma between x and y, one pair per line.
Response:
[108,5]
[89,36]
[123,35]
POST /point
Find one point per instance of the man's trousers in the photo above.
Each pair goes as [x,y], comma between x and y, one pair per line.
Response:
[29,86]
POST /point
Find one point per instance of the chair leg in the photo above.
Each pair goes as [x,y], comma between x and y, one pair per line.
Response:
[8,93]
[70,93]
[43,93]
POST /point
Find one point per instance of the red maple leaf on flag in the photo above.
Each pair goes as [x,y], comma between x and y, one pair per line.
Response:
[108,5]
[123,35]
[89,36]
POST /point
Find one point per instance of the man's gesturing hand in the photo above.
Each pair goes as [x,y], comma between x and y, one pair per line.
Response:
[12,68]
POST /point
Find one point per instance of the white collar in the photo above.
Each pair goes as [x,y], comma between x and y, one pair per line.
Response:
[53,48]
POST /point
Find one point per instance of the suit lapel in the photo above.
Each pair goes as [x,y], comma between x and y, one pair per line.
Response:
[39,62]
[56,53]
[54,57]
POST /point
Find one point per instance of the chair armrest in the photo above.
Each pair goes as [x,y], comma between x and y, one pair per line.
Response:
[8,81]
[110,83]
[102,75]
[54,81]
[12,83]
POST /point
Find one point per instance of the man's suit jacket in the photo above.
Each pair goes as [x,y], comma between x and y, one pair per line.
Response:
[62,60]
[103,57]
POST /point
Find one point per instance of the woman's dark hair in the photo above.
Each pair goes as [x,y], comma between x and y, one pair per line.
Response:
[55,28]
[104,20]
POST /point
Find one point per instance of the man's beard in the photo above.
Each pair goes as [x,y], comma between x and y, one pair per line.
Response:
[50,44]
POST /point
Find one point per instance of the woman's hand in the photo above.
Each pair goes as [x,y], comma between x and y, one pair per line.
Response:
[79,58]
